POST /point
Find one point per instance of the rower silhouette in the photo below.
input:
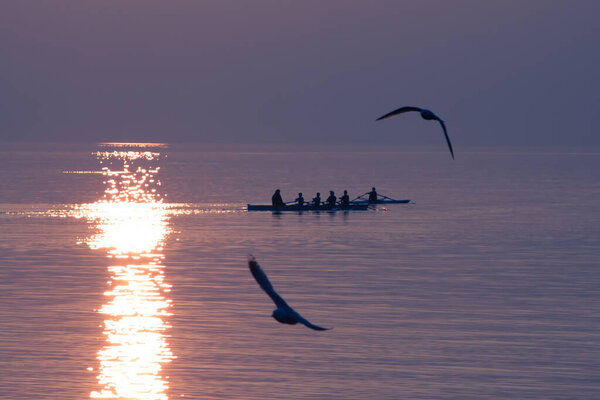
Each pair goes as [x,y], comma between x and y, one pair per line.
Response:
[331,200]
[345,199]
[277,200]
[317,200]
[373,196]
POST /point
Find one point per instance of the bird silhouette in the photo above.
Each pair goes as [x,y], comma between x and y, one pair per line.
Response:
[283,313]
[425,114]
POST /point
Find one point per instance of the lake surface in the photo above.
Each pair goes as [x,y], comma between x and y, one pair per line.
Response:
[123,274]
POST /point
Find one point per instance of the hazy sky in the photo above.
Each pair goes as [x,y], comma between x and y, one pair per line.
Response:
[499,72]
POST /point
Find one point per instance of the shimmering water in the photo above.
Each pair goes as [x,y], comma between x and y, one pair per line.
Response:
[486,286]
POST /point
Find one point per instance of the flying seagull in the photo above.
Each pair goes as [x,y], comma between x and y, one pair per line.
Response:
[425,114]
[283,313]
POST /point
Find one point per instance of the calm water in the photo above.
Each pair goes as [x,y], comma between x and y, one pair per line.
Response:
[123,275]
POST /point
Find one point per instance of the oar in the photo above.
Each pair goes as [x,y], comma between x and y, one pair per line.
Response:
[362,195]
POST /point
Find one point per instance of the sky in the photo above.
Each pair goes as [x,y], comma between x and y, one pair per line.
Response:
[500,73]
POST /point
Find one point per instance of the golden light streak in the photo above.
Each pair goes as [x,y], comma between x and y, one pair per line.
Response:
[132,224]
[82,172]
[130,155]
[126,228]
[131,361]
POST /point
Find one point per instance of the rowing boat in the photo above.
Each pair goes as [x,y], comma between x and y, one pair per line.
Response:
[307,207]
[381,201]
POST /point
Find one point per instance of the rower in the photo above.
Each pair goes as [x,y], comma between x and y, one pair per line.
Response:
[373,196]
[331,199]
[345,199]
[277,200]
[300,199]
[317,200]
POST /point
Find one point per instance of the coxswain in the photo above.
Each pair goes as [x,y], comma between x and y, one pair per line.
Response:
[277,200]
[300,199]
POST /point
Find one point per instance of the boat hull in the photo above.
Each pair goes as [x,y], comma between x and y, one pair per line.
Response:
[293,207]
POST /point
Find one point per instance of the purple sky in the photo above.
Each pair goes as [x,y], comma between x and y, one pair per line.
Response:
[499,73]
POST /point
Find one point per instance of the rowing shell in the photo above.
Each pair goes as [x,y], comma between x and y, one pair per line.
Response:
[295,207]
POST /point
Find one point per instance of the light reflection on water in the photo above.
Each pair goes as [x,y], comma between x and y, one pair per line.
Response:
[132,224]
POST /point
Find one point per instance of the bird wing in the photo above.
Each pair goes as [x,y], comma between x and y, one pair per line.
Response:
[304,321]
[447,137]
[265,284]
[399,111]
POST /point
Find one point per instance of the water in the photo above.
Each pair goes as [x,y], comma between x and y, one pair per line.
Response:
[485,287]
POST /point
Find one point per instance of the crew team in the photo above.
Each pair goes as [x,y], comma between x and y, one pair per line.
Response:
[331,201]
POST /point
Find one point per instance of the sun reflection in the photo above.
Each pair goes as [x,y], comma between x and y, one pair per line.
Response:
[128,229]
[132,223]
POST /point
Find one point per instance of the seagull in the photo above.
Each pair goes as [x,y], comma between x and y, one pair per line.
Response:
[283,313]
[425,114]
